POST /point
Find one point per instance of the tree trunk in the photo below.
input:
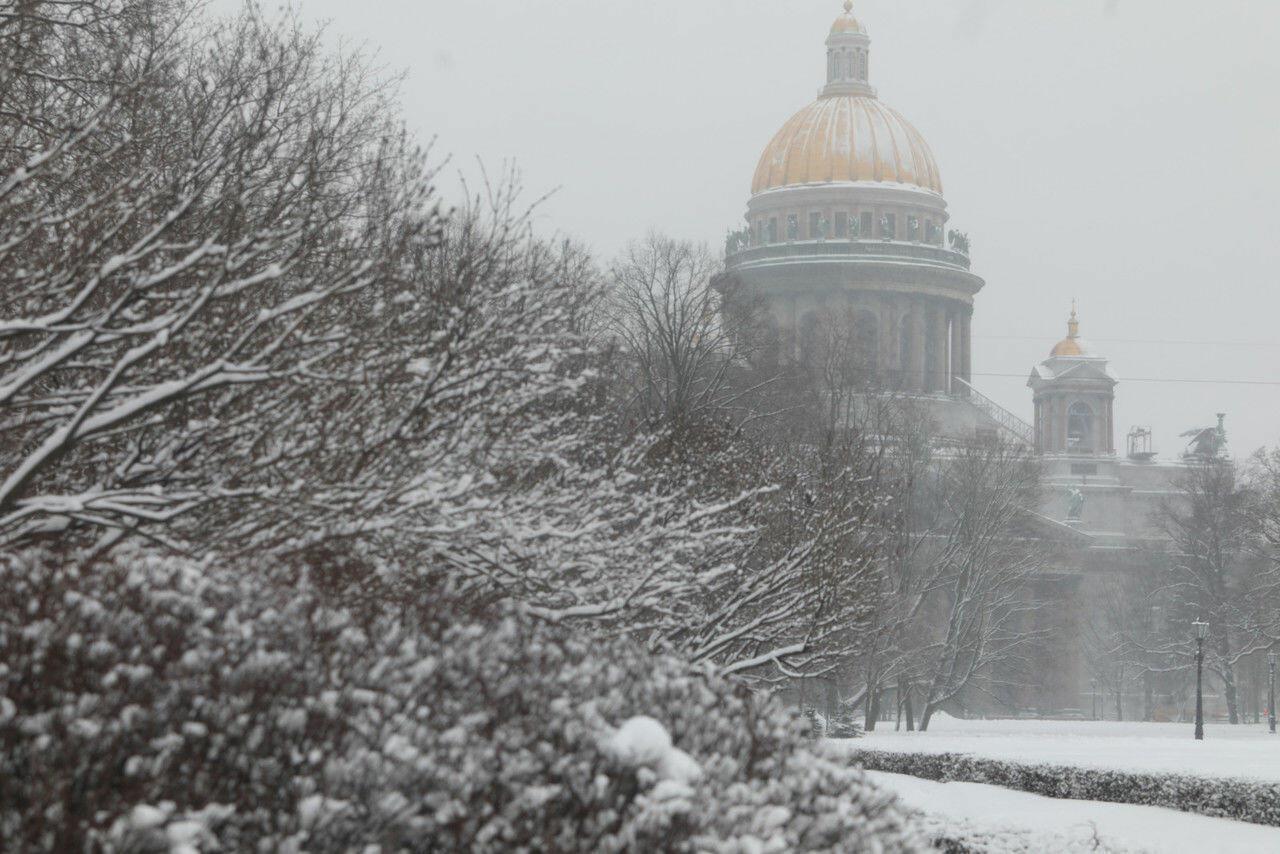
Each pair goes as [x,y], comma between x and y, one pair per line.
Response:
[910,712]
[871,707]
[1120,695]
[1148,697]
[929,709]
[1229,689]
[1228,674]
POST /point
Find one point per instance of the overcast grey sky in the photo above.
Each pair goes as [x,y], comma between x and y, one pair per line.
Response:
[1120,151]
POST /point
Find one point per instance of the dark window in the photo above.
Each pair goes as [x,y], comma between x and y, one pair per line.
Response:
[793,227]
[1080,427]
[868,224]
[773,230]
[815,226]
[913,227]
[842,224]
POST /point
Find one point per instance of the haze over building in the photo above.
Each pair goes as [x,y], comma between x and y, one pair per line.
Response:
[847,225]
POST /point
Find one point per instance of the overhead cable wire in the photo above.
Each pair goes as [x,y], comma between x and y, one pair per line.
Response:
[1191,380]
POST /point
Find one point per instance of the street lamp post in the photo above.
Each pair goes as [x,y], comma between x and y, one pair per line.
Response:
[1202,629]
[1271,692]
[1094,697]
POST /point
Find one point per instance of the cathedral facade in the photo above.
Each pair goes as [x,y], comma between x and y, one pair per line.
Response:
[847,221]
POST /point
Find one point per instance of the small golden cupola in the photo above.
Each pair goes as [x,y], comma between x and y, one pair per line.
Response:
[1073,344]
[846,23]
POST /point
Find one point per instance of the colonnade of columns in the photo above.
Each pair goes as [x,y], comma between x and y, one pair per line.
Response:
[923,344]
[928,345]
[1053,417]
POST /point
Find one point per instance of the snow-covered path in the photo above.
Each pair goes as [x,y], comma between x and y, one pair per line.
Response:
[1001,820]
[1227,751]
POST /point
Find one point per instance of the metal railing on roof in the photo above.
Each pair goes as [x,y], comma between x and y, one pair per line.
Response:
[1010,423]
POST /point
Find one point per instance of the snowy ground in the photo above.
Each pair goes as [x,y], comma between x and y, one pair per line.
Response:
[1000,820]
[1228,751]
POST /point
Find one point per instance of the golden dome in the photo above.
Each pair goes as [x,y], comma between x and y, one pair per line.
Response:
[845,138]
[1068,347]
[1073,344]
[846,23]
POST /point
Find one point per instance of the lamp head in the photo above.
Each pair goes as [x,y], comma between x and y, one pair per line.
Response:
[1202,629]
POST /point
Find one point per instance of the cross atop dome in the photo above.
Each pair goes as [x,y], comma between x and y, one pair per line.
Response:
[1072,345]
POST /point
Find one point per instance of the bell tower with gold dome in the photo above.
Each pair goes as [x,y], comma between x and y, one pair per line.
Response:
[847,222]
[1074,399]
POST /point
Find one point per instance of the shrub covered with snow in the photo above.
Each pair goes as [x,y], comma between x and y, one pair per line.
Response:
[158,704]
[1244,800]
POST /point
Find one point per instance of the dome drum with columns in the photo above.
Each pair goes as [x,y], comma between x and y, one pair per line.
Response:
[847,219]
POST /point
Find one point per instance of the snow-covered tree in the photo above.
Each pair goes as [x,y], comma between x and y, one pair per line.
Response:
[957,584]
[190,215]
[684,332]
[1217,573]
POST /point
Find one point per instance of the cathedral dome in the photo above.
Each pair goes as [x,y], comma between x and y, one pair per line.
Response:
[1069,347]
[846,23]
[844,138]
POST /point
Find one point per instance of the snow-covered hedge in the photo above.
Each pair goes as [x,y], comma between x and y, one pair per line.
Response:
[1244,800]
[153,704]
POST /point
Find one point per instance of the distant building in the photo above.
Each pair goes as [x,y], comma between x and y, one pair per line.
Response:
[847,221]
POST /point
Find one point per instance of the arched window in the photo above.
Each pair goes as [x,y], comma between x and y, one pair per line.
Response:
[1080,427]
[863,63]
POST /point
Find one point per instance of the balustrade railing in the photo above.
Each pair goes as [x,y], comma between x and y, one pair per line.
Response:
[847,248]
